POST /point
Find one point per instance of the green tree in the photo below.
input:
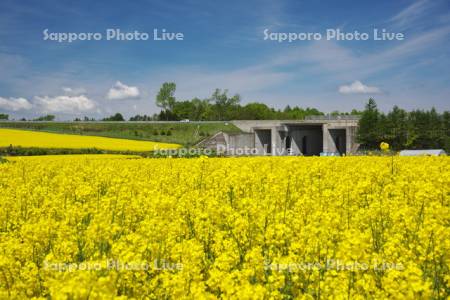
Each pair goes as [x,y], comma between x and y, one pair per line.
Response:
[201,109]
[165,98]
[45,118]
[446,130]
[356,112]
[396,128]
[117,118]
[426,129]
[335,113]
[297,113]
[225,107]
[4,117]
[183,110]
[368,134]
[287,109]
[141,118]
[255,111]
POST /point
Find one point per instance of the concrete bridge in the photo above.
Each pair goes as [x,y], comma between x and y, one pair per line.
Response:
[313,136]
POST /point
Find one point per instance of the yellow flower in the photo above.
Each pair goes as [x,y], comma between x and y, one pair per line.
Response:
[104,227]
[384,146]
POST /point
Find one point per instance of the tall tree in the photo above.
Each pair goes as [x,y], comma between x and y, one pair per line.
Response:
[368,134]
[165,98]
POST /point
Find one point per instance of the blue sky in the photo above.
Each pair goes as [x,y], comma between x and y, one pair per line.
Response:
[223,47]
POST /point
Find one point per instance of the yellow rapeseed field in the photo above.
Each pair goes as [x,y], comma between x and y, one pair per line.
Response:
[25,138]
[233,228]
[65,157]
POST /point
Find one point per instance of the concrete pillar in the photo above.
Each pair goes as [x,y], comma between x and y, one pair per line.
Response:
[328,143]
[348,140]
[324,138]
[352,145]
[258,144]
[275,139]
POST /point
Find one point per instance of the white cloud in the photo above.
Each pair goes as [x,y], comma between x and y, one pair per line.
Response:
[121,91]
[74,91]
[65,104]
[357,87]
[411,13]
[15,104]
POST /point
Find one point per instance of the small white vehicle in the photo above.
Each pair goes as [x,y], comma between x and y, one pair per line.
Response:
[185,121]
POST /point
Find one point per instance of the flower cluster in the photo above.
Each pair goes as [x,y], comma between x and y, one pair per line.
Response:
[384,146]
[237,228]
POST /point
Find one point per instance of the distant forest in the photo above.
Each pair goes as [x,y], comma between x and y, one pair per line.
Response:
[417,129]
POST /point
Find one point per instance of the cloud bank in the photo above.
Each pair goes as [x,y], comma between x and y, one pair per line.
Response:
[74,91]
[122,91]
[15,104]
[65,104]
[357,87]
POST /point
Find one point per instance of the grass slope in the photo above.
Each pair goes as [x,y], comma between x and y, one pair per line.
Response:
[186,134]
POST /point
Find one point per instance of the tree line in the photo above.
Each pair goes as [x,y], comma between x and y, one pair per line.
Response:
[5,117]
[417,129]
[218,107]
